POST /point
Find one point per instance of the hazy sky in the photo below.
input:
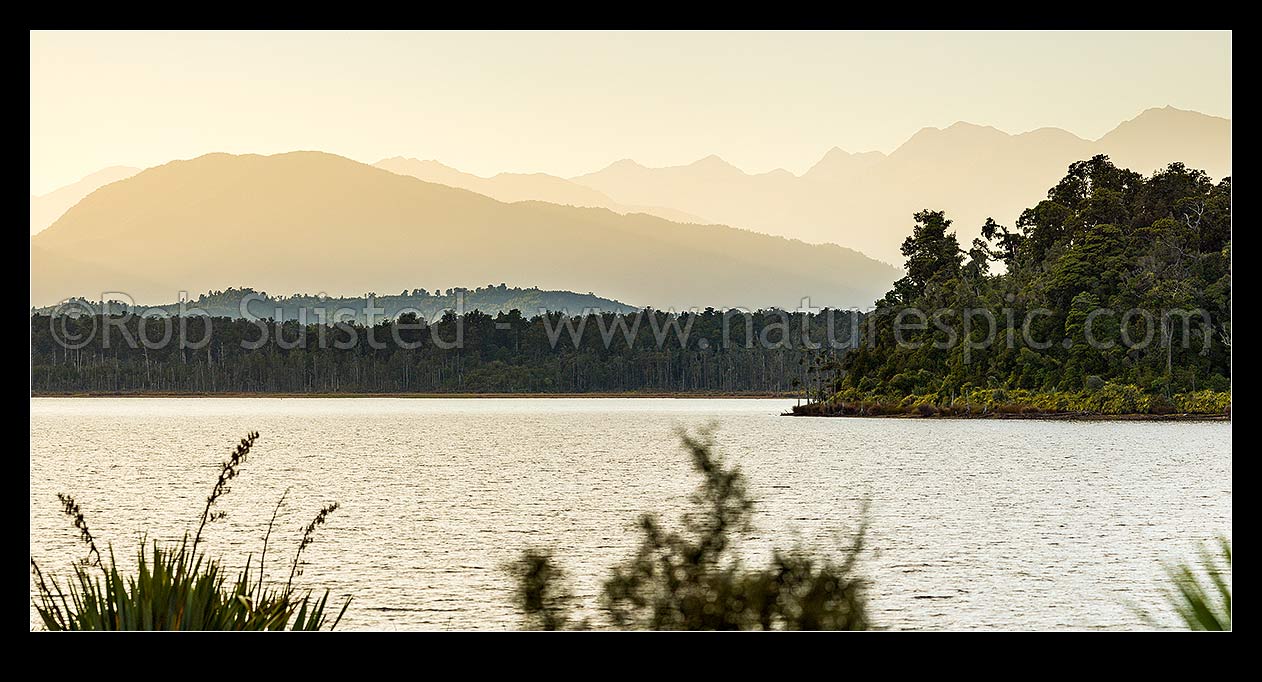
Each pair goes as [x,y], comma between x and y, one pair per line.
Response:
[570,103]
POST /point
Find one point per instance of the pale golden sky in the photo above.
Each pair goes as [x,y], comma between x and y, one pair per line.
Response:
[570,103]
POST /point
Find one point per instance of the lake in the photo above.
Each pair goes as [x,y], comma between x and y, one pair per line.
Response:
[972,523]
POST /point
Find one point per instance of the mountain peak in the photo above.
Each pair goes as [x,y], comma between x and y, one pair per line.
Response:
[838,163]
[960,132]
[1169,109]
[778,173]
[1051,134]
[1196,139]
[975,130]
[835,153]
[712,161]
[623,164]
[1161,115]
[965,125]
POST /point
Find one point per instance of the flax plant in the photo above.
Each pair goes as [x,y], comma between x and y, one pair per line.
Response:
[178,588]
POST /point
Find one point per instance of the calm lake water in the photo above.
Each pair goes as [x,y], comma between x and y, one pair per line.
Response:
[972,523]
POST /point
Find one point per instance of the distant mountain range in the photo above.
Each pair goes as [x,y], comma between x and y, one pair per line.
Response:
[514,187]
[865,201]
[315,222]
[609,220]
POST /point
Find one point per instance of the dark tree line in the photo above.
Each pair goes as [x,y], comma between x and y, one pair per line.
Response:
[652,351]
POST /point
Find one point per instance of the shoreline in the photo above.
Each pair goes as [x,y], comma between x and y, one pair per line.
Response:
[1041,416]
[795,411]
[238,394]
[1051,416]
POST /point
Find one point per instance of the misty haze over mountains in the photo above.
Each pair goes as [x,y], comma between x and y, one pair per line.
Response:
[49,207]
[316,222]
[512,187]
[865,201]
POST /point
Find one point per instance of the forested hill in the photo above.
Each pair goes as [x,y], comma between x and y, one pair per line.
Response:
[1115,296]
[246,302]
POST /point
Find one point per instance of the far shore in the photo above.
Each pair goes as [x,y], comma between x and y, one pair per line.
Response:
[799,412]
[241,394]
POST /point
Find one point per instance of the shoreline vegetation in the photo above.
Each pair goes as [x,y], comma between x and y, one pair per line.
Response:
[815,410]
[1109,402]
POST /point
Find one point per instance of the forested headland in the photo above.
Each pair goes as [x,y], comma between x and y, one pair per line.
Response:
[1112,296]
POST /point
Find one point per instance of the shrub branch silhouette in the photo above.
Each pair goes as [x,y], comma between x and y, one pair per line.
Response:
[308,537]
[543,592]
[228,471]
[271,523]
[71,508]
[691,580]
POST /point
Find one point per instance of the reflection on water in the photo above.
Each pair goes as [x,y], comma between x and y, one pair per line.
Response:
[990,524]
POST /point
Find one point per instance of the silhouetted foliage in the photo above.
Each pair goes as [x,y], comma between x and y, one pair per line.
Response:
[692,579]
[543,593]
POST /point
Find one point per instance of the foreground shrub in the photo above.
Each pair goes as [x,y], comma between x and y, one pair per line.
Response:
[543,593]
[691,579]
[177,588]
[1200,594]
[175,591]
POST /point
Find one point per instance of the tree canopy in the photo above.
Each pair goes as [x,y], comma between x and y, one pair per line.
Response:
[1114,278]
